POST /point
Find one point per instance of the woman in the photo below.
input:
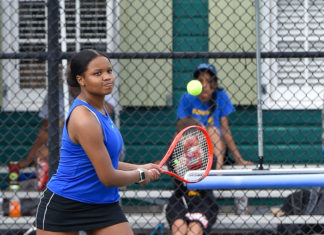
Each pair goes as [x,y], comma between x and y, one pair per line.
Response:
[83,194]
[211,108]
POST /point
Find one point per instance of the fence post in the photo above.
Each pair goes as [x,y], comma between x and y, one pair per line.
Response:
[259,94]
[53,57]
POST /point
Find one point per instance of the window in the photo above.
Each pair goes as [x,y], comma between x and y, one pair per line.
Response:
[88,24]
[23,30]
[293,26]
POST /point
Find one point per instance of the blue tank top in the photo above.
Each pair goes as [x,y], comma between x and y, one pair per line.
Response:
[76,177]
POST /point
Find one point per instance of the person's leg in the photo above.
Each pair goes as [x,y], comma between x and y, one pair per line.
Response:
[42,152]
[118,229]
[179,227]
[39,143]
[42,167]
[218,145]
[194,228]
[175,212]
[43,232]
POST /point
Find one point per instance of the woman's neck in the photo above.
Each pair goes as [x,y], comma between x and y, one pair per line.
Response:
[97,103]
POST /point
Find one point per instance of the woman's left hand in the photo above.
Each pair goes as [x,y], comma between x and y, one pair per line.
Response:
[150,166]
[243,162]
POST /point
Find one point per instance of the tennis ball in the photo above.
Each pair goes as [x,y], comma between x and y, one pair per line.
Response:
[194,87]
[176,161]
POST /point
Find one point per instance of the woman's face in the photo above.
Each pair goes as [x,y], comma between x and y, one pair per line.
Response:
[99,78]
[208,84]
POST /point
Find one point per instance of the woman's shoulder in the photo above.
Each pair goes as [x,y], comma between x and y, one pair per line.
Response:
[82,116]
[221,91]
[222,94]
[187,98]
[186,95]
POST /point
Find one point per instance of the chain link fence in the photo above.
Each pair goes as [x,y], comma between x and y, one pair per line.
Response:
[274,77]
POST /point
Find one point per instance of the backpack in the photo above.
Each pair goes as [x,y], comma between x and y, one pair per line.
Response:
[303,202]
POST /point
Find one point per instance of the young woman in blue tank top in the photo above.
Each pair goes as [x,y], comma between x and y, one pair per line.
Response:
[83,193]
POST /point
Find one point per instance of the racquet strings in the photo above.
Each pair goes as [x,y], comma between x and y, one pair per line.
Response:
[190,153]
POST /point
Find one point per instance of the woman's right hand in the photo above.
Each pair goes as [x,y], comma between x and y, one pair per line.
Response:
[23,164]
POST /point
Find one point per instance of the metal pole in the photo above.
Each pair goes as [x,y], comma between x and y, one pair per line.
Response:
[115,41]
[258,68]
[53,57]
[66,100]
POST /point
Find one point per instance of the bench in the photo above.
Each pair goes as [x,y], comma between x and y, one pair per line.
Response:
[147,220]
[260,216]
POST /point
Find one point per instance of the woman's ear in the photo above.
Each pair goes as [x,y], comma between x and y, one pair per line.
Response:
[80,80]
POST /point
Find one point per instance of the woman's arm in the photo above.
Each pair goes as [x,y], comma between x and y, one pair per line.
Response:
[40,142]
[129,166]
[84,129]
[230,143]
[218,145]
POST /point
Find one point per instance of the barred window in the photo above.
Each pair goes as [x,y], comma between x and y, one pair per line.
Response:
[293,26]
[32,38]
[89,24]
[25,28]
[300,28]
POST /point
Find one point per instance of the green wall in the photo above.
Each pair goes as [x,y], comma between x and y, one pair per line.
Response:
[143,82]
[232,29]
[17,133]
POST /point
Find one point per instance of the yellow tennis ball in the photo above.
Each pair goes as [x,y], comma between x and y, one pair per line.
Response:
[194,87]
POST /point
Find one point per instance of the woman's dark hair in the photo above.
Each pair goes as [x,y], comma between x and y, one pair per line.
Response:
[214,78]
[79,64]
[213,103]
[185,122]
[212,75]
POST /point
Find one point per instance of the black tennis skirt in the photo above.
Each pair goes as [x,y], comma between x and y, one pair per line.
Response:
[60,214]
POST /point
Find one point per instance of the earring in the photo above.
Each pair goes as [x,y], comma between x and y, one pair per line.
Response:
[83,85]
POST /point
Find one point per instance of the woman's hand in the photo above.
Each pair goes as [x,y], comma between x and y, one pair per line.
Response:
[152,172]
[150,166]
[24,164]
[150,175]
[242,162]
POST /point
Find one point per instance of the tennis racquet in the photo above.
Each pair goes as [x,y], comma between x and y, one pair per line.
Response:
[191,149]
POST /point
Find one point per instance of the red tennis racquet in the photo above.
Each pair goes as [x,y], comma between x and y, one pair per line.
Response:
[190,150]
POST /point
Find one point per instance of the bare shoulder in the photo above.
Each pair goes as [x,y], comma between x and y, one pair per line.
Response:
[82,115]
[82,118]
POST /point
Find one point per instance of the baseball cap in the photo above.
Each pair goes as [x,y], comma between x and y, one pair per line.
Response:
[204,66]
